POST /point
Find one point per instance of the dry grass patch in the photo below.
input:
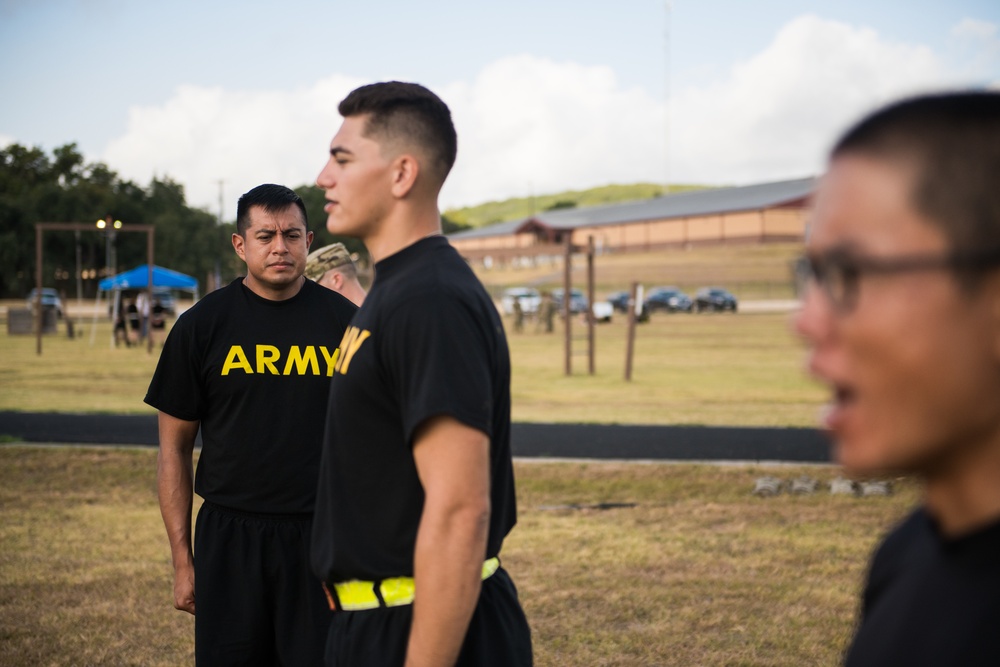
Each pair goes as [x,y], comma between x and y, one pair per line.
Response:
[697,572]
[85,575]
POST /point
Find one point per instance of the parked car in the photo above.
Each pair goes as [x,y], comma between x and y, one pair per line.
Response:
[714,298]
[577,301]
[669,299]
[50,299]
[619,301]
[167,300]
[527,296]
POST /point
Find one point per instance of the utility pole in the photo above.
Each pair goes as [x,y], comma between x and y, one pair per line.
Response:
[217,278]
[221,182]
[79,269]
[666,96]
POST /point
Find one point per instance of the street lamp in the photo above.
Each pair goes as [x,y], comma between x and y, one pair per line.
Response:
[109,228]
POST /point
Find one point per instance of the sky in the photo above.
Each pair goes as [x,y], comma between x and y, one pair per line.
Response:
[546,95]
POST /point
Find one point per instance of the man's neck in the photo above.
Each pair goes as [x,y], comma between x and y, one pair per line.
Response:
[273,294]
[965,494]
[403,227]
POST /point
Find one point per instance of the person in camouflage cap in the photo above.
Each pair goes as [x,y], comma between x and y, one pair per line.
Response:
[333,268]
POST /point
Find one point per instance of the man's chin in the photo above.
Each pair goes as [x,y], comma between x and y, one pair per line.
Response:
[860,459]
[337,226]
[334,226]
[279,279]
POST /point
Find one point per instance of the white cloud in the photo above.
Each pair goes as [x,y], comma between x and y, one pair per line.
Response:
[529,125]
[776,114]
[203,135]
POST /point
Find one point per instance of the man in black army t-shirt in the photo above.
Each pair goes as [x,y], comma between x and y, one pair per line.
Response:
[250,365]
[902,316]
[416,490]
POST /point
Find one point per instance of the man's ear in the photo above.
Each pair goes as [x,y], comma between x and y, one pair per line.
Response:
[238,242]
[405,170]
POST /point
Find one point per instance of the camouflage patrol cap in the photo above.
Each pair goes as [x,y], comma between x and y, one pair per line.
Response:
[330,257]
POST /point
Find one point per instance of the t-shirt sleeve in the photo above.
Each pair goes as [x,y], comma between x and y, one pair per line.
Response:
[176,387]
[441,357]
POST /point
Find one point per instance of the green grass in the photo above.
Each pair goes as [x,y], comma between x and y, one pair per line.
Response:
[698,572]
[73,375]
[522,207]
[711,369]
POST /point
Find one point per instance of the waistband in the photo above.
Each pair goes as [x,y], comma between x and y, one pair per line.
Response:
[355,595]
[213,507]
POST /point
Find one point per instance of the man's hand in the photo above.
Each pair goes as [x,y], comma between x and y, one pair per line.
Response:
[175,486]
[184,589]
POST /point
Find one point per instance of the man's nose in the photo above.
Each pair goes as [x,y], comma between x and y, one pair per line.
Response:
[814,319]
[325,178]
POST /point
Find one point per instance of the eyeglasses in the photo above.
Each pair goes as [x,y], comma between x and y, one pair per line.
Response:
[838,273]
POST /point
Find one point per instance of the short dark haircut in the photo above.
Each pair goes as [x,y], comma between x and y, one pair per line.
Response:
[270,197]
[952,142]
[407,112]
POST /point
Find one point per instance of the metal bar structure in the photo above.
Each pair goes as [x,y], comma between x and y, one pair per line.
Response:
[41,227]
[590,304]
[567,310]
[630,340]
[567,318]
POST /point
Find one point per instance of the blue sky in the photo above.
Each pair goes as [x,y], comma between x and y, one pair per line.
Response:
[546,95]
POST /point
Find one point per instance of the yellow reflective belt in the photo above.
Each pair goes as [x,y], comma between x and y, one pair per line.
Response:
[355,595]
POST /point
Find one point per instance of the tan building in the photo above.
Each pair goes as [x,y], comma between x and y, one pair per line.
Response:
[761,213]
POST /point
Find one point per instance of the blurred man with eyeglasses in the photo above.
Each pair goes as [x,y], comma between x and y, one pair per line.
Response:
[901,314]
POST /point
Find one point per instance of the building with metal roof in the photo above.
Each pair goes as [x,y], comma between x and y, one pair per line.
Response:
[754,213]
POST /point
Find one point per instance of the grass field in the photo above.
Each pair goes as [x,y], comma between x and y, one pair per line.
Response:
[713,369]
[698,572]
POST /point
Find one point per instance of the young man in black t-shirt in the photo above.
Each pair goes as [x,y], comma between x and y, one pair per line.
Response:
[416,490]
[902,317]
[250,366]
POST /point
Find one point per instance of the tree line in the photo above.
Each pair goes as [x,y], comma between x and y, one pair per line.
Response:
[63,187]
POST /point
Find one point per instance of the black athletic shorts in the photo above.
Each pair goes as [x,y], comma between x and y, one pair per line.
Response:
[498,634]
[256,599]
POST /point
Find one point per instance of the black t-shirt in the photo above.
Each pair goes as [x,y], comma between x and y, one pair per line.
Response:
[931,601]
[427,342]
[256,374]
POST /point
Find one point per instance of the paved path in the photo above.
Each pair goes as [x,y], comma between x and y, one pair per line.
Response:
[573,441]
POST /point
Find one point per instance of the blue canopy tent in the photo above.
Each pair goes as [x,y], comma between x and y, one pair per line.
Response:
[138,279]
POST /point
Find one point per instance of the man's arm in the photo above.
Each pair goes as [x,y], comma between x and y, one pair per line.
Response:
[174,482]
[452,461]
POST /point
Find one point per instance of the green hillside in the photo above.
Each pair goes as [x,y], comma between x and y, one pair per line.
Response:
[521,207]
